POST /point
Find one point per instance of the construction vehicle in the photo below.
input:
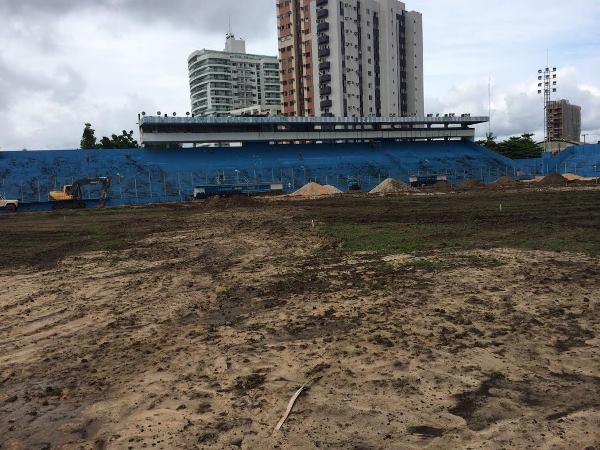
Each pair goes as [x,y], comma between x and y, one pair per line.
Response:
[71,196]
[418,181]
[229,190]
[8,205]
[354,184]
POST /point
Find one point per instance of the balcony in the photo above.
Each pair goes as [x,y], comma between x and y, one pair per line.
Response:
[325,90]
[323,26]
[325,65]
[323,40]
[324,79]
[324,52]
[322,13]
[326,104]
[322,2]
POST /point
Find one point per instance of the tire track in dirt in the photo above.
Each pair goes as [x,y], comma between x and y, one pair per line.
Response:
[198,338]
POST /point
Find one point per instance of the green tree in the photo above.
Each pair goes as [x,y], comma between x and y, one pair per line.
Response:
[124,140]
[88,140]
[520,147]
[489,142]
[515,147]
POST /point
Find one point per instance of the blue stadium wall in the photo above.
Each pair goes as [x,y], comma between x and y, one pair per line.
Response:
[146,176]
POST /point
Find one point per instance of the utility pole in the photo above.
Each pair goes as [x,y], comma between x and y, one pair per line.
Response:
[490,106]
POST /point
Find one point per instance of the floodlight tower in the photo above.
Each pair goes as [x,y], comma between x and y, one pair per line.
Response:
[547,83]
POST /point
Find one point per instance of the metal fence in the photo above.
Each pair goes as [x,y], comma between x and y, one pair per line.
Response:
[157,185]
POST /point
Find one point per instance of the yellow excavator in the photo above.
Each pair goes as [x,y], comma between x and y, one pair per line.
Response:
[71,197]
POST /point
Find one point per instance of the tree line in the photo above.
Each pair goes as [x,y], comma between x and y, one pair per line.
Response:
[515,147]
[90,142]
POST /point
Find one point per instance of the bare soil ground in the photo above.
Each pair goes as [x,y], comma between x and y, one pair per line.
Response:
[192,326]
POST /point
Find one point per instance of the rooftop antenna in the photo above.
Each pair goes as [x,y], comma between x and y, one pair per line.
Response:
[490,105]
[229,23]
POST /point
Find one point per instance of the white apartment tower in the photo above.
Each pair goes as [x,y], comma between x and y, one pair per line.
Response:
[367,58]
[221,82]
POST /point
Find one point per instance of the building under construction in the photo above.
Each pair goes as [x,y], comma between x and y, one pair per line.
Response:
[564,121]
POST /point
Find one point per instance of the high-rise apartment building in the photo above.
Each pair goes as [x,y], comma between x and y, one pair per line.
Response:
[564,121]
[295,35]
[232,79]
[369,58]
[366,58]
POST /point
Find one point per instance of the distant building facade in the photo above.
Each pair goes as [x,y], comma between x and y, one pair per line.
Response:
[295,35]
[564,121]
[556,146]
[223,81]
[365,56]
[257,111]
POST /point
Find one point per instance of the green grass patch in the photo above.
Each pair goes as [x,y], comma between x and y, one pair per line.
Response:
[555,221]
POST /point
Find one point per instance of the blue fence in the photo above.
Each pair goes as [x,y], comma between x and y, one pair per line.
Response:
[147,176]
[583,160]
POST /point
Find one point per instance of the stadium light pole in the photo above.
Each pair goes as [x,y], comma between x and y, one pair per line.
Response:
[547,83]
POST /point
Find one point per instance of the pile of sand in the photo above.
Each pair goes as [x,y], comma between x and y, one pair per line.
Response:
[471,183]
[314,190]
[533,180]
[505,182]
[573,177]
[553,179]
[392,186]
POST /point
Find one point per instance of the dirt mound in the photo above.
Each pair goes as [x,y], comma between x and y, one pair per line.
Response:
[392,186]
[440,186]
[314,190]
[471,183]
[553,179]
[505,182]
[232,202]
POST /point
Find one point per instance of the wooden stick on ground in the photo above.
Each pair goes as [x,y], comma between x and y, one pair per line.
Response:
[289,407]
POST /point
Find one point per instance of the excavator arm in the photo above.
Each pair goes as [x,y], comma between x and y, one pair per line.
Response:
[104,181]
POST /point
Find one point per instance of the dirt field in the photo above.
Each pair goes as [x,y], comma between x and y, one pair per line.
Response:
[431,322]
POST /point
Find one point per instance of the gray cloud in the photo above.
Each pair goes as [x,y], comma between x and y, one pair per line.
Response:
[518,109]
[248,17]
[63,84]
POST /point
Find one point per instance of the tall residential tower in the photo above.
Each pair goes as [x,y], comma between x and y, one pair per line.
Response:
[366,58]
[369,58]
[221,82]
[295,31]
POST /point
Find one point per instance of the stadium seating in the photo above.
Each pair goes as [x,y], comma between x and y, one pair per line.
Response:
[145,175]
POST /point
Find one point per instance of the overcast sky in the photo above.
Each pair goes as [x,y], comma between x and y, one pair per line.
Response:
[67,62]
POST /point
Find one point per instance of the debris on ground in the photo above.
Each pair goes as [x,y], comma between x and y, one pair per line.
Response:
[289,407]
